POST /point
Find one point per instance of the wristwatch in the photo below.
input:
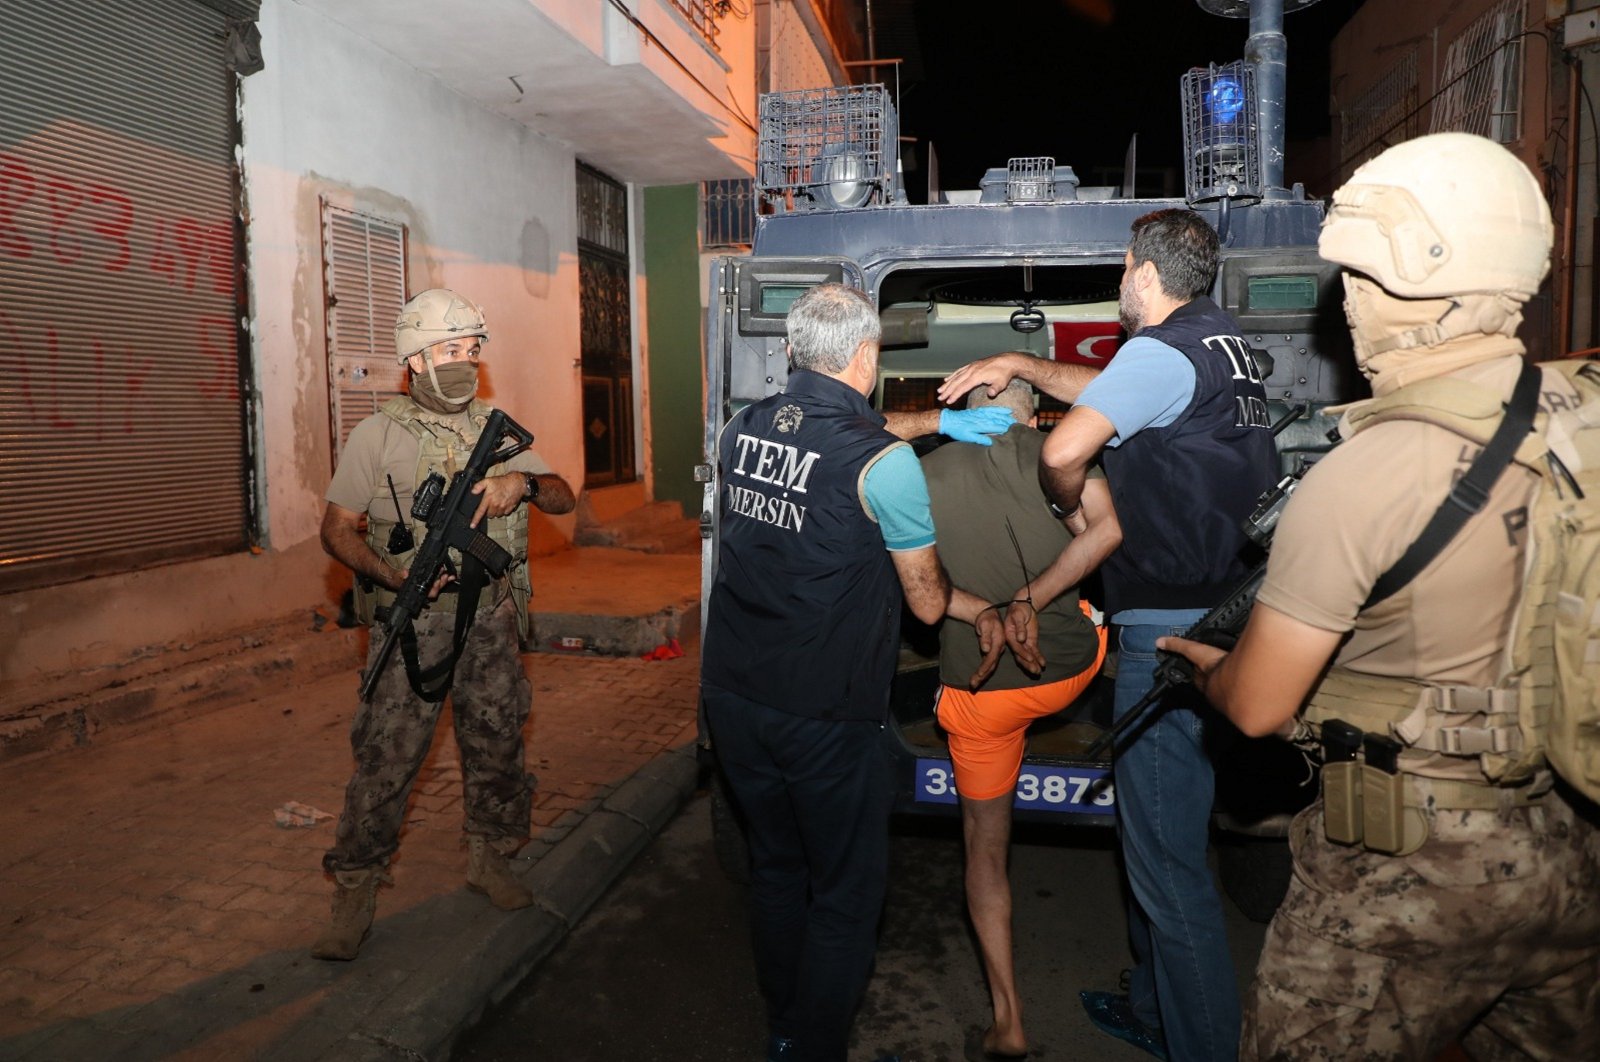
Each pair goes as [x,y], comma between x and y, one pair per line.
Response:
[531,491]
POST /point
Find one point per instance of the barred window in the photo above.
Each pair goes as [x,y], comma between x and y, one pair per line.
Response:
[1385,114]
[1481,77]
[728,215]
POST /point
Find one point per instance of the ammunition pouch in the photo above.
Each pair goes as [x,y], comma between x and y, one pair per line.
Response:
[1390,813]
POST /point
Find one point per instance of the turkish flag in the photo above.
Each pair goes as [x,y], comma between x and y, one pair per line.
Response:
[1091,343]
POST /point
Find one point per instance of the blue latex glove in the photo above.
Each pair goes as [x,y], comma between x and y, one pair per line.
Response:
[975,425]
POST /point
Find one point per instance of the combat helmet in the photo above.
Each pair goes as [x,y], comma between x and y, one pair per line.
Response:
[1441,215]
[434,316]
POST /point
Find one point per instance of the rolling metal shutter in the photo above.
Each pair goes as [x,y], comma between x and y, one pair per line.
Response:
[122,417]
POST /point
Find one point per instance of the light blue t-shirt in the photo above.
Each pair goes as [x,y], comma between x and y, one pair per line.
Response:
[1147,385]
[898,496]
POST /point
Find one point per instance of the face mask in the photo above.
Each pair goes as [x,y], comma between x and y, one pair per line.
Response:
[445,388]
[1399,341]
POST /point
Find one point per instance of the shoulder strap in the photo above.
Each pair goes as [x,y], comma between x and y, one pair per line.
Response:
[1471,491]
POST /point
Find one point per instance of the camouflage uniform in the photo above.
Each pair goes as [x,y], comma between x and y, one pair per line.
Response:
[1378,957]
[1493,924]
[490,700]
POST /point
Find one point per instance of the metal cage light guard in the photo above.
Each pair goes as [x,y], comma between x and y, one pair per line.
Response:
[1221,145]
[828,148]
[1031,179]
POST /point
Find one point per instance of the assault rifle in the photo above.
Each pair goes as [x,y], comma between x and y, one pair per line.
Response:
[448,520]
[1221,626]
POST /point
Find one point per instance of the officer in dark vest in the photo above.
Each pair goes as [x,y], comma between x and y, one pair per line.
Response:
[1179,420]
[824,526]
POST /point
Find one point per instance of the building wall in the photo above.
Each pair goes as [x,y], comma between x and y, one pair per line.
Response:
[797,56]
[1382,37]
[489,208]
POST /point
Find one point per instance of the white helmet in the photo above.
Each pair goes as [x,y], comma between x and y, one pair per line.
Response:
[1442,215]
[434,316]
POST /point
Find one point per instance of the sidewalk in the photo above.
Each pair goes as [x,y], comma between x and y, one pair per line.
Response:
[150,906]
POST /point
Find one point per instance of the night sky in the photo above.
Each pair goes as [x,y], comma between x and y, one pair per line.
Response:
[1074,79]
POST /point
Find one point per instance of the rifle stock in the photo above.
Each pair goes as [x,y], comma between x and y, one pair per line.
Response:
[449,526]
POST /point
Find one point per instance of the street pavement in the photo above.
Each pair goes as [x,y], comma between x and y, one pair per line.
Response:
[159,890]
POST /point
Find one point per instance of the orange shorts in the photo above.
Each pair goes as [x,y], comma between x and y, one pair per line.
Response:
[988,729]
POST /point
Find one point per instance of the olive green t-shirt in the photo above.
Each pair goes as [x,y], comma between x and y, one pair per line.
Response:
[976,491]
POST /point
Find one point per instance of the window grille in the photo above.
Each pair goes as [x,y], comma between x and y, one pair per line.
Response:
[364,273]
[1481,79]
[702,16]
[728,218]
[1385,114]
[602,211]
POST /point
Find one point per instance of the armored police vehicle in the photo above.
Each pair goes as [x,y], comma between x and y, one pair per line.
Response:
[1029,261]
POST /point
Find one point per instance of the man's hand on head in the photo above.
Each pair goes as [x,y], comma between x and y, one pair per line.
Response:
[976,425]
[992,373]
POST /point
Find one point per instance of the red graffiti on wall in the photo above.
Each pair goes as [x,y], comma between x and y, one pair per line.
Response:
[116,303]
[87,221]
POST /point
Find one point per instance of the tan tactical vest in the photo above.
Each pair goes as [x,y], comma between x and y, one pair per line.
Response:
[1465,747]
[445,449]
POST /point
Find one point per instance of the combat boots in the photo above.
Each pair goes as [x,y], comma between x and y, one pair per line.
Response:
[355,899]
[488,872]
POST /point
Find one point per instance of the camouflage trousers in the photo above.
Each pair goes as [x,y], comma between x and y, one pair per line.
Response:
[489,702]
[1489,934]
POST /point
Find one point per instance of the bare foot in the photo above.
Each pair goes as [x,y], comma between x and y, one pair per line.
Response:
[1008,1044]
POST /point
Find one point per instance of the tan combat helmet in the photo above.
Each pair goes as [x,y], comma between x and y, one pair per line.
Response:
[434,316]
[1442,215]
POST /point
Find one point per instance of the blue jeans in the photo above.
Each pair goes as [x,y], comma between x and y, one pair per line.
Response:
[1183,980]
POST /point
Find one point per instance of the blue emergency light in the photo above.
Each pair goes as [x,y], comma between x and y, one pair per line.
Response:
[1221,156]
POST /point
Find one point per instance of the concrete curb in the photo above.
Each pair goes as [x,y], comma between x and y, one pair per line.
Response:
[472,956]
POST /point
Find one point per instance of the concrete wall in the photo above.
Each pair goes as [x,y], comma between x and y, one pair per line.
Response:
[1378,35]
[488,208]
[796,57]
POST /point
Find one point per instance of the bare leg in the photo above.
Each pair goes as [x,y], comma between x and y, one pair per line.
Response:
[986,826]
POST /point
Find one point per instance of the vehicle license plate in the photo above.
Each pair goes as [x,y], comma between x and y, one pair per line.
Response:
[1040,787]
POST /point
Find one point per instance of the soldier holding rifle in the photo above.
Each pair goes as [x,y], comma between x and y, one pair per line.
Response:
[433,430]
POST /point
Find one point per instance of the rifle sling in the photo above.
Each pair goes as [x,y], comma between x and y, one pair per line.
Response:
[433,683]
[1471,491]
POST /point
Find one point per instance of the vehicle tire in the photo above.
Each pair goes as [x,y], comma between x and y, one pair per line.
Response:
[727,832]
[1255,873]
